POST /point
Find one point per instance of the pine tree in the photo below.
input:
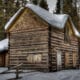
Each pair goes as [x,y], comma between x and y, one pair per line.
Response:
[71,10]
[69,7]
[35,2]
[58,7]
[7,9]
[2,21]
[43,4]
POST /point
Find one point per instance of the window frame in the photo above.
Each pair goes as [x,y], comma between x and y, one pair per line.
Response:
[34,58]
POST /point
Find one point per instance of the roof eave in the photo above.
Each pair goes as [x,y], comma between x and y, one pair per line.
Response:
[10,22]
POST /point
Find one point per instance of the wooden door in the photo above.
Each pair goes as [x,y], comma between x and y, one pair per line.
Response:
[68,60]
[59,60]
[2,60]
[75,59]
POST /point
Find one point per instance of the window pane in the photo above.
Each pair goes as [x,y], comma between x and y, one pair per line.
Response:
[34,58]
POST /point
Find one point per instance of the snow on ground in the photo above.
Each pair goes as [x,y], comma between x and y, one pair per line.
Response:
[11,76]
[60,75]
[3,69]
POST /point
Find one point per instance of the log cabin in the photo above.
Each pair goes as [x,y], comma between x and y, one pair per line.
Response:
[41,40]
[4,53]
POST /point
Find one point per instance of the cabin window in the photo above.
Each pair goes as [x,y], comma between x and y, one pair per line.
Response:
[34,58]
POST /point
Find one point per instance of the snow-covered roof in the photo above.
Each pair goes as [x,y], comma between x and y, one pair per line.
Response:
[55,20]
[13,18]
[4,45]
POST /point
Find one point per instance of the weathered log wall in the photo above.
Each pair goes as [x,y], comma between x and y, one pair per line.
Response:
[7,59]
[67,50]
[2,59]
[32,44]
[29,42]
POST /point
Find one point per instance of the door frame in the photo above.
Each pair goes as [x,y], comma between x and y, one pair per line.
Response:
[59,59]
